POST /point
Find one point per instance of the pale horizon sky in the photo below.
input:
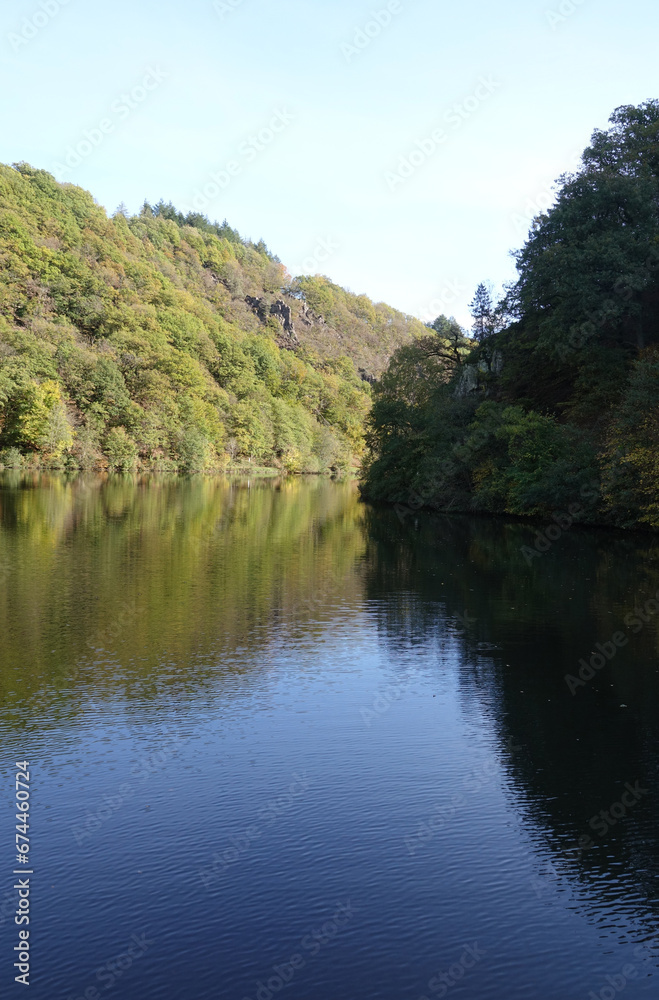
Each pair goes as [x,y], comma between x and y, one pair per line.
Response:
[307,114]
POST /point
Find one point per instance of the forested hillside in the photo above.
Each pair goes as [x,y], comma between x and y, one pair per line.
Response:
[554,411]
[166,342]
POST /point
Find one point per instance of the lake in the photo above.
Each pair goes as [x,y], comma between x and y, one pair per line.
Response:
[282,743]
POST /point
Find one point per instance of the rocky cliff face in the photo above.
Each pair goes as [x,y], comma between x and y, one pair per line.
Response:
[282,312]
[317,316]
[473,378]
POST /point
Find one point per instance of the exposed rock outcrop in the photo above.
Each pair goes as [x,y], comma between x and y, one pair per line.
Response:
[283,314]
[258,305]
[309,317]
[279,309]
[471,376]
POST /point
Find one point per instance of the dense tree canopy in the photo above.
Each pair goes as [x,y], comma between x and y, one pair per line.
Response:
[558,406]
[589,272]
[169,342]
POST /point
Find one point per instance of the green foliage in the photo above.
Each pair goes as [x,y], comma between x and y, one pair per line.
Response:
[135,342]
[252,430]
[195,451]
[482,311]
[589,272]
[524,463]
[353,325]
[631,454]
[10,458]
[121,450]
[561,407]
[37,419]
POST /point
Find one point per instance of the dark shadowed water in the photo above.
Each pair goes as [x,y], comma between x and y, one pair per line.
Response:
[282,744]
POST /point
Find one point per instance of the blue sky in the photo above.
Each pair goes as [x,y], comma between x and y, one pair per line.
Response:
[399,147]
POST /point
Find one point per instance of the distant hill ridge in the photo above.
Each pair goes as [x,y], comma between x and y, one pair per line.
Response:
[168,342]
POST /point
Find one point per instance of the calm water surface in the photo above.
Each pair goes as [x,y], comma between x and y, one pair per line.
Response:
[283,744]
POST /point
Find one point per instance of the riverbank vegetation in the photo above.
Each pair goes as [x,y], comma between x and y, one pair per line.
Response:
[552,408]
